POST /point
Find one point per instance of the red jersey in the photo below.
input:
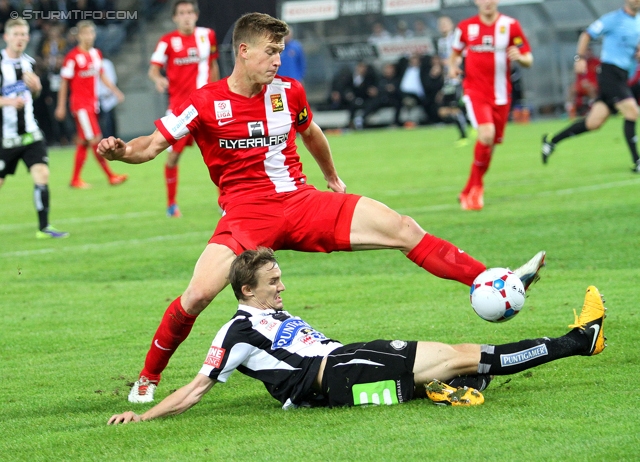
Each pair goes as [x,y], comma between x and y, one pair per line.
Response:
[248,144]
[486,66]
[187,61]
[82,68]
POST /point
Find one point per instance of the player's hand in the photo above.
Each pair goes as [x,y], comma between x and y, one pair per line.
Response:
[32,81]
[124,418]
[580,66]
[162,84]
[112,148]
[18,102]
[337,185]
[60,113]
[120,96]
[513,53]
[454,72]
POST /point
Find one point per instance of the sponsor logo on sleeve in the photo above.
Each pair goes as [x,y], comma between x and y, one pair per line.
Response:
[214,358]
[223,109]
[303,116]
[276,103]
[177,124]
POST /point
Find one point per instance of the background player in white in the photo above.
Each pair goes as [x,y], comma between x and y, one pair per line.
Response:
[245,126]
[189,57]
[21,137]
[301,367]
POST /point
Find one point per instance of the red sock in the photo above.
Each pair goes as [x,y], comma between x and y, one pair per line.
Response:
[480,165]
[102,161]
[81,156]
[171,179]
[173,330]
[445,260]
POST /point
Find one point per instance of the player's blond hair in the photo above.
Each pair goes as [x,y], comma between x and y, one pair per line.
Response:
[84,24]
[253,26]
[11,23]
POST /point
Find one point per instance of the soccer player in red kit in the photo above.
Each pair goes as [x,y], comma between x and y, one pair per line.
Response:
[82,66]
[245,126]
[491,41]
[189,56]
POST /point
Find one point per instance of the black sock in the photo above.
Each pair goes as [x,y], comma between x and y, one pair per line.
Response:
[576,128]
[516,357]
[630,136]
[479,382]
[461,123]
[41,201]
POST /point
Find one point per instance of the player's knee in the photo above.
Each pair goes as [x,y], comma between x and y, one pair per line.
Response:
[195,299]
[409,232]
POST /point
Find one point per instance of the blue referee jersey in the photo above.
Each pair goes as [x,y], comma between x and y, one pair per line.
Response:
[620,34]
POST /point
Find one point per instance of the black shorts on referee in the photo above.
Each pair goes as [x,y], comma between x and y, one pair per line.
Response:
[31,154]
[377,372]
[613,86]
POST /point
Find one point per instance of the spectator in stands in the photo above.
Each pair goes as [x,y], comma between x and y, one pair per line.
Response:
[339,84]
[293,61]
[82,5]
[108,101]
[419,84]
[387,94]
[361,88]
[420,29]
[379,33]
[402,31]
[6,8]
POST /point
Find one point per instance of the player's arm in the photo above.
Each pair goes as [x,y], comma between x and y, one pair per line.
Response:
[318,145]
[32,81]
[61,107]
[214,71]
[15,101]
[580,65]
[159,80]
[136,151]
[453,64]
[176,403]
[112,87]
[524,59]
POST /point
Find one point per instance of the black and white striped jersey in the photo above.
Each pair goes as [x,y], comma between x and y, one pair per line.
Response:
[281,350]
[16,122]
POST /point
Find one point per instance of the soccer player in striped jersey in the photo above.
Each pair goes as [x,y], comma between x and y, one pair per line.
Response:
[492,41]
[301,367]
[21,136]
[245,126]
[81,68]
[189,56]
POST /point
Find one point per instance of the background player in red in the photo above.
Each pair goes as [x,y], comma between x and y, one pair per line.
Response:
[492,41]
[82,66]
[245,126]
[189,57]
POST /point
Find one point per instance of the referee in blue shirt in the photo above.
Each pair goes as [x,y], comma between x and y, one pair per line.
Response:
[620,33]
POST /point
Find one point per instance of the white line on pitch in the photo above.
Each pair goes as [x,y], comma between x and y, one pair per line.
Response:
[87,247]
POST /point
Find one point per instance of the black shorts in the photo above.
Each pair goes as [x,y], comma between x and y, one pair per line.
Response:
[377,372]
[31,154]
[613,86]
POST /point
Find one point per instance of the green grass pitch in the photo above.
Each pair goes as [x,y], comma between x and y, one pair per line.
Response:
[77,315]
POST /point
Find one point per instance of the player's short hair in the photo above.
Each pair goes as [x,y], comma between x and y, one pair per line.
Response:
[11,23]
[245,267]
[253,26]
[84,24]
[194,3]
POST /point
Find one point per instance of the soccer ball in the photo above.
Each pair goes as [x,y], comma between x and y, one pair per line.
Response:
[497,295]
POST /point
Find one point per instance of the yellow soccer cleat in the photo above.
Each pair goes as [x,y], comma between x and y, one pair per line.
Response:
[446,395]
[591,320]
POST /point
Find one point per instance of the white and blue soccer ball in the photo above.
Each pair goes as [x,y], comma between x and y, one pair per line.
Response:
[497,295]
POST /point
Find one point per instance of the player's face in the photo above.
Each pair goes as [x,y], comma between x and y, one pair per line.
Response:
[263,60]
[266,294]
[185,18]
[87,37]
[633,5]
[17,39]
[487,7]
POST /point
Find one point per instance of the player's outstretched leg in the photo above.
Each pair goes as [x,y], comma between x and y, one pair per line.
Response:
[529,272]
[547,148]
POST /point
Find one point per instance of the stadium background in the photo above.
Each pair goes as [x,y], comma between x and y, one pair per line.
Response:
[334,33]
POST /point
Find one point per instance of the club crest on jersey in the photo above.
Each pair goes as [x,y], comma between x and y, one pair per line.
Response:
[255,129]
[276,103]
[223,109]
[473,30]
[176,43]
[303,116]
[82,61]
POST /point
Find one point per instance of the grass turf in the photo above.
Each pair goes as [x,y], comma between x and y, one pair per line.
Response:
[78,314]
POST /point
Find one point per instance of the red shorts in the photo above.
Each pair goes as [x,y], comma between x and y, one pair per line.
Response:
[481,111]
[307,220]
[182,143]
[87,125]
